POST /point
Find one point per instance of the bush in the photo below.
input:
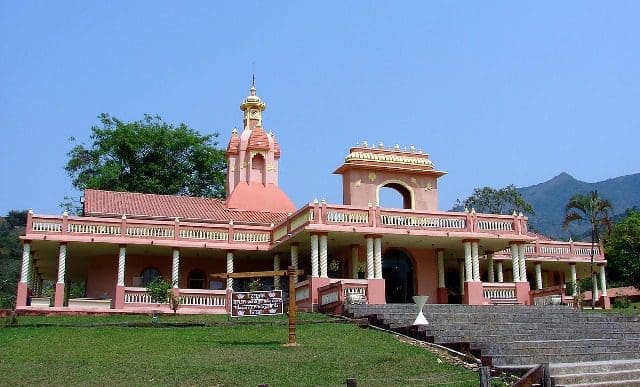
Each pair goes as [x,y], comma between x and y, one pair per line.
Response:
[622,302]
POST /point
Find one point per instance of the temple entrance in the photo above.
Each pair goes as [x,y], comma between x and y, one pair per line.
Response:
[397,270]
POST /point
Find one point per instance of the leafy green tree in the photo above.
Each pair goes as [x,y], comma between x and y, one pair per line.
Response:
[11,227]
[623,250]
[148,156]
[496,201]
[594,210]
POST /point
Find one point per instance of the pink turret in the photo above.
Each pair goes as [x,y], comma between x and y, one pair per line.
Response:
[252,163]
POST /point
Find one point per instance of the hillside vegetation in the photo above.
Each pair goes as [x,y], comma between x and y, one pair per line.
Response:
[549,199]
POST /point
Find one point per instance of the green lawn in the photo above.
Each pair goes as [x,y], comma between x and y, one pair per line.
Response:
[83,351]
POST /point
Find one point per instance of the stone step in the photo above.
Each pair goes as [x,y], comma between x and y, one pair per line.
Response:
[572,368]
[454,339]
[535,344]
[560,350]
[621,383]
[532,359]
[596,377]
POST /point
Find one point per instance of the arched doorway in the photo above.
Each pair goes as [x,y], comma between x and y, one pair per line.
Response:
[397,270]
[394,195]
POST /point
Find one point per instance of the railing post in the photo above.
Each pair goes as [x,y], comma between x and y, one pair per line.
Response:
[546,375]
[230,232]
[123,225]
[485,376]
[29,227]
[176,228]
[65,223]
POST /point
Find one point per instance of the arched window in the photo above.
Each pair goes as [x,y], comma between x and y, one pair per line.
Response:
[258,170]
[148,275]
[196,279]
[394,195]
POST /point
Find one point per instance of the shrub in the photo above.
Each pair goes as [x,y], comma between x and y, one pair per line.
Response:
[622,302]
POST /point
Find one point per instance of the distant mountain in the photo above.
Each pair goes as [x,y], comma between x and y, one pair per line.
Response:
[550,198]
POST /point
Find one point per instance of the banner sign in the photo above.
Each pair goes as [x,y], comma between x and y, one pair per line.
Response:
[262,303]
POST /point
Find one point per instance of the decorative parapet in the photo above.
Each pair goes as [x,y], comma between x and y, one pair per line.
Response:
[129,230]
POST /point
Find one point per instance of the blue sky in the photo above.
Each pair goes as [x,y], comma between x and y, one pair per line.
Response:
[496,92]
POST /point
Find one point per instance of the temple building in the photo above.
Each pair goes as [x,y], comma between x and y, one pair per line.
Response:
[356,251]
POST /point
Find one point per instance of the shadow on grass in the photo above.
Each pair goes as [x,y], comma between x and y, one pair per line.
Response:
[233,343]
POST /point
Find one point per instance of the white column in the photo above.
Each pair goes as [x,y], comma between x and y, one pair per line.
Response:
[314,255]
[545,279]
[229,269]
[276,267]
[490,270]
[354,262]
[596,295]
[603,281]
[500,272]
[522,263]
[462,270]
[323,255]
[62,262]
[175,267]
[377,257]
[122,260]
[467,261]
[515,262]
[441,269]
[574,279]
[475,261]
[538,276]
[26,262]
[370,265]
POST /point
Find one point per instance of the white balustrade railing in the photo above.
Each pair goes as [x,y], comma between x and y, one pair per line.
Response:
[203,234]
[137,296]
[252,237]
[586,251]
[554,250]
[84,228]
[494,225]
[200,298]
[46,227]
[362,290]
[498,293]
[422,221]
[347,217]
[330,298]
[155,232]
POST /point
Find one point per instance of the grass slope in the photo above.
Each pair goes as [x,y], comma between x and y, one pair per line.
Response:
[246,352]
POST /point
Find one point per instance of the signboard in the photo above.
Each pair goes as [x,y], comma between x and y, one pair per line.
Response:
[262,303]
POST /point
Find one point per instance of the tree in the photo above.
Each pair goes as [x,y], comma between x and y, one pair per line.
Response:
[496,201]
[623,250]
[11,227]
[594,210]
[148,156]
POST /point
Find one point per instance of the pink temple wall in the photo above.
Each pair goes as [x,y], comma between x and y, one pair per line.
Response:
[102,276]
[425,266]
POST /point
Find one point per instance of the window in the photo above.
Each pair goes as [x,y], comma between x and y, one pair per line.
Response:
[148,275]
[196,279]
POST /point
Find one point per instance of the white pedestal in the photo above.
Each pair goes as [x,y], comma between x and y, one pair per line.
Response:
[420,302]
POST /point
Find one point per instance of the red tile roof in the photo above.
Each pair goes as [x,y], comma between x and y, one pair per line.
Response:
[234,144]
[258,139]
[138,205]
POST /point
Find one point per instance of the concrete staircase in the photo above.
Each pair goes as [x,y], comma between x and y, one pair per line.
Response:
[515,336]
[608,373]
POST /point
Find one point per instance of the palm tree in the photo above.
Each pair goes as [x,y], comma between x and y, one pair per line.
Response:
[593,209]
